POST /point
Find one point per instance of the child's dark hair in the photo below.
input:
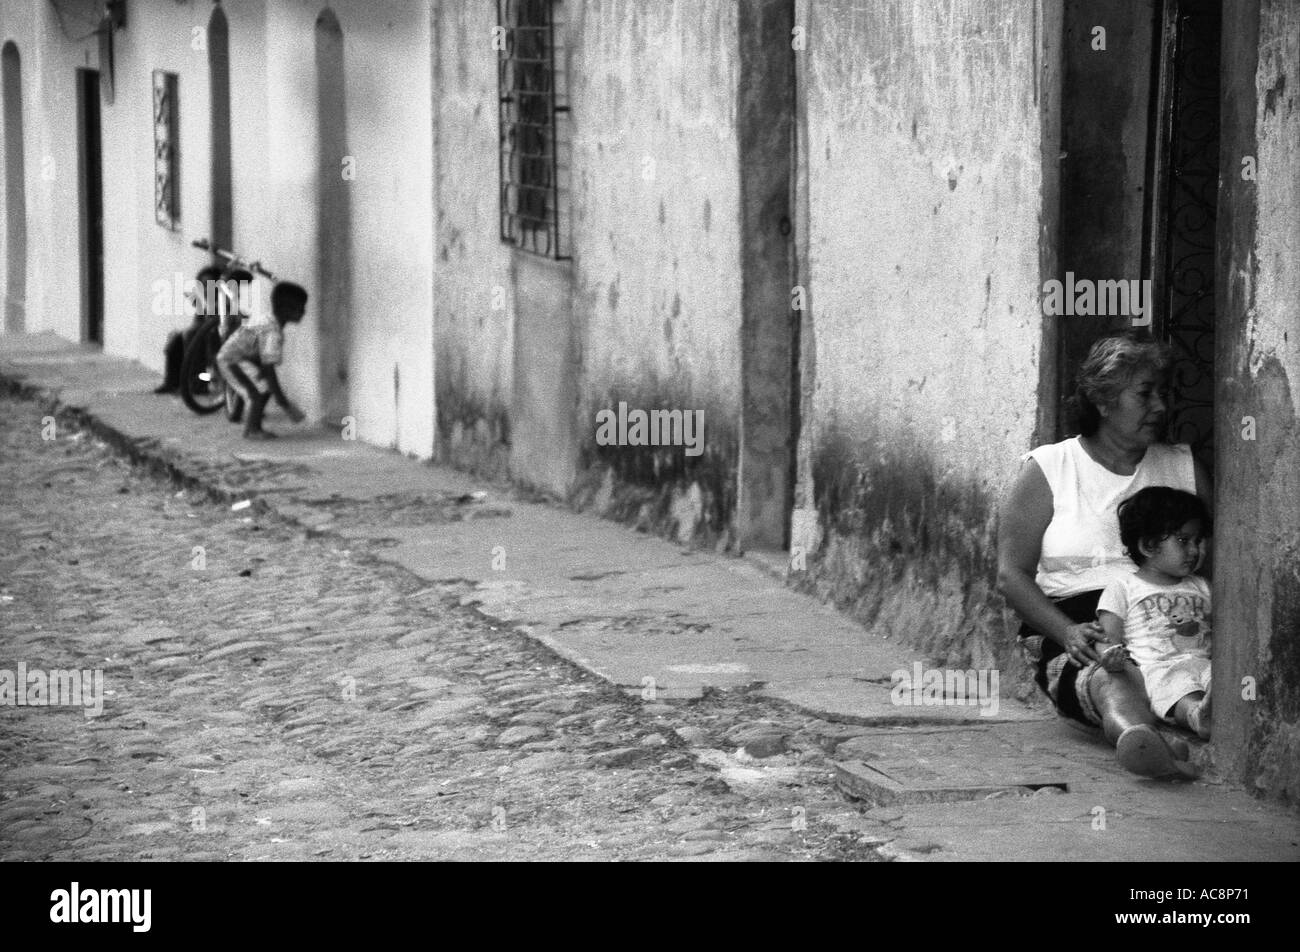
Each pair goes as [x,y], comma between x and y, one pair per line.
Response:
[1156,512]
[286,292]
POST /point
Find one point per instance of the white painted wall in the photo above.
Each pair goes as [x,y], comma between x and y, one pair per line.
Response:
[273,105]
[49,63]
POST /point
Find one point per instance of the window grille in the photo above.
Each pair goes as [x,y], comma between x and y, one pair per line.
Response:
[166,150]
[534,112]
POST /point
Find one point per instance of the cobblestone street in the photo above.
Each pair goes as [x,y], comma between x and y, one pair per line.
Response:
[272,694]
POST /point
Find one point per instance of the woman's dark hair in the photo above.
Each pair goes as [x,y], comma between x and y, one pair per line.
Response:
[1110,365]
[286,292]
[1156,512]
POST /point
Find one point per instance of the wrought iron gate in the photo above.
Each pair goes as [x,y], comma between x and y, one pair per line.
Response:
[1181,220]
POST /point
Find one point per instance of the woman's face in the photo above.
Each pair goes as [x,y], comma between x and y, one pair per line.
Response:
[1138,414]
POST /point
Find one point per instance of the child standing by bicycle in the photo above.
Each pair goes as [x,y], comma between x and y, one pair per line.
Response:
[251,354]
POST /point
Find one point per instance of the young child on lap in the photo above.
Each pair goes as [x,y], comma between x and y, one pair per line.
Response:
[1161,613]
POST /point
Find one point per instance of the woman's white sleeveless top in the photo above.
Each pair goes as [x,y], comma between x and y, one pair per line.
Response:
[1081,547]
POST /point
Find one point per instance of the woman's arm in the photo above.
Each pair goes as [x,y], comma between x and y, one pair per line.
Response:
[1026,513]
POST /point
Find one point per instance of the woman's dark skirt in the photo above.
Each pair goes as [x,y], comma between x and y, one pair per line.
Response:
[1065,683]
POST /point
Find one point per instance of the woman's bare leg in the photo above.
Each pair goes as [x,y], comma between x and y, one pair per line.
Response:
[1128,723]
[1121,699]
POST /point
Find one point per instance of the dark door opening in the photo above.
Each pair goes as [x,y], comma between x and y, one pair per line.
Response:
[1139,185]
[769,333]
[15,186]
[91,191]
[1184,179]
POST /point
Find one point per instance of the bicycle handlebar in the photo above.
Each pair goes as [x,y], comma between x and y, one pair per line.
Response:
[233,260]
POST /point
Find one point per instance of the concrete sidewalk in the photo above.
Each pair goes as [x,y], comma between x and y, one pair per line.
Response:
[639,611]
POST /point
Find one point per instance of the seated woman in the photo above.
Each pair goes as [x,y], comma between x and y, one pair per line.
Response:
[1059,543]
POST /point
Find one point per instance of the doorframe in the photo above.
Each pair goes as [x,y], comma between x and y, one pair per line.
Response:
[14,317]
[92,273]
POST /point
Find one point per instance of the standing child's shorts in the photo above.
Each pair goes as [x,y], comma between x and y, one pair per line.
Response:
[253,345]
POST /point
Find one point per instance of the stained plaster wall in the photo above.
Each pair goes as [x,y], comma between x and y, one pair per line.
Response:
[648,309]
[924,192]
[1257,542]
[474,319]
[656,239]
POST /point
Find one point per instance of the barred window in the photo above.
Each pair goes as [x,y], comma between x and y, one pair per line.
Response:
[534,112]
[166,150]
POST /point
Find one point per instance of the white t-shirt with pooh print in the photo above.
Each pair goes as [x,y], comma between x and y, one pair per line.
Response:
[1167,632]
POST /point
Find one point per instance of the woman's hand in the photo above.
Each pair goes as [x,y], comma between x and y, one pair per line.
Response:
[1077,641]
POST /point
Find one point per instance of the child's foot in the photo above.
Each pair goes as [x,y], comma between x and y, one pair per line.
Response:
[260,435]
[1177,746]
[1198,718]
[1143,751]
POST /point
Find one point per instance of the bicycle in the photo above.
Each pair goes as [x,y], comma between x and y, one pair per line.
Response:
[203,389]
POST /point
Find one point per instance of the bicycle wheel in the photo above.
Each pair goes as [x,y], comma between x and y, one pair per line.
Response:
[202,387]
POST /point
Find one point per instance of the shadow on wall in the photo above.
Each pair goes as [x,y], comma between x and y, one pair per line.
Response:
[334,231]
[911,554]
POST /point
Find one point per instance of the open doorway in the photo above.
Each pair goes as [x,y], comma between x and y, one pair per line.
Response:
[769,356]
[15,184]
[90,187]
[1139,185]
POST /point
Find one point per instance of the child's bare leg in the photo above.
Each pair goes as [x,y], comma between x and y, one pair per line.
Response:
[253,423]
[1193,712]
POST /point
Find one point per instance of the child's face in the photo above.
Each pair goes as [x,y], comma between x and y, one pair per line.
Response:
[1180,553]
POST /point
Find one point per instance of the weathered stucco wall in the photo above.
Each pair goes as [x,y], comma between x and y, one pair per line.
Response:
[1257,593]
[648,309]
[656,241]
[924,204]
[474,324]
